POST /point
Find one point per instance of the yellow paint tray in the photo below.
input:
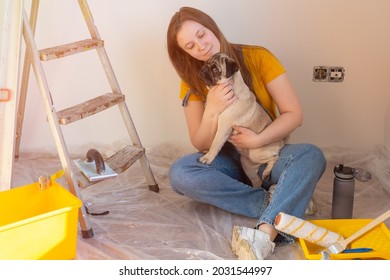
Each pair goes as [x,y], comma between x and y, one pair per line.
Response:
[378,239]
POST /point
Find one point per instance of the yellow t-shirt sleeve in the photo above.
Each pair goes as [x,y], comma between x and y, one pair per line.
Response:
[273,69]
[184,90]
[264,67]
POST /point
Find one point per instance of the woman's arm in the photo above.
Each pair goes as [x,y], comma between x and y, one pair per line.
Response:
[290,117]
[202,119]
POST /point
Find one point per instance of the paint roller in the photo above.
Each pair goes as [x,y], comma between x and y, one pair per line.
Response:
[310,232]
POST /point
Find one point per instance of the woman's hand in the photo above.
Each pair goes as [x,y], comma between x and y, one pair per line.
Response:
[290,117]
[202,119]
[243,138]
[219,98]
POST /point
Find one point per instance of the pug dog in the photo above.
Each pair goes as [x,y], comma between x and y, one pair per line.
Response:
[245,112]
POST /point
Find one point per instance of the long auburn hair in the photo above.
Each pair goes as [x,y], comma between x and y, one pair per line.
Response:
[188,67]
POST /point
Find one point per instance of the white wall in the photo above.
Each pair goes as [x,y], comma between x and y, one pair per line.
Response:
[301,33]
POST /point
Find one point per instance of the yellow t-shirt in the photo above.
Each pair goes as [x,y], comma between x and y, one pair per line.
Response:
[263,67]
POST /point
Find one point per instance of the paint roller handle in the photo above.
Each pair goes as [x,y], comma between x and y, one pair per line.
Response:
[367,227]
[94,155]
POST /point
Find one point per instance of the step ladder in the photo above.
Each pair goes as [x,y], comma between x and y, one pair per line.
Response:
[34,57]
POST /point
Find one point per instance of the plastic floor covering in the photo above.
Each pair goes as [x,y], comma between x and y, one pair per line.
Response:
[145,225]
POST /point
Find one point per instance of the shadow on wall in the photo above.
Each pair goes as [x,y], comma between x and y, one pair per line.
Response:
[387,127]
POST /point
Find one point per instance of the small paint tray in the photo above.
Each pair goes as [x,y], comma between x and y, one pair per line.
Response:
[89,170]
[378,239]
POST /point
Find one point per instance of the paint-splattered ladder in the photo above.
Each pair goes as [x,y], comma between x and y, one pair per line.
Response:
[119,161]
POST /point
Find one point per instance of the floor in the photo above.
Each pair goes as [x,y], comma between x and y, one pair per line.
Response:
[142,224]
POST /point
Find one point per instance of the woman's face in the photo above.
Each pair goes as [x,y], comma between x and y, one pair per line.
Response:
[197,40]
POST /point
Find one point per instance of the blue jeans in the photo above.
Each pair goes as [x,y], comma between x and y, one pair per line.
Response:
[224,184]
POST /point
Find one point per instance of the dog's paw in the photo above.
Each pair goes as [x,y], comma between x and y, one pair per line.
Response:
[257,184]
[265,176]
[205,159]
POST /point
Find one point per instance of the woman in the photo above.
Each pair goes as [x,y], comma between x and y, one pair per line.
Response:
[193,37]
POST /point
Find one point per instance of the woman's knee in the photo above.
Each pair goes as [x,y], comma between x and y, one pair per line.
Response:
[317,155]
[314,158]
[306,156]
[179,176]
[176,172]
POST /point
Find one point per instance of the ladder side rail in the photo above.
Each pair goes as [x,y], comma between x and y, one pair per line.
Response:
[129,124]
[25,80]
[10,43]
[89,19]
[109,72]
[54,124]
[153,186]
[136,140]
[101,51]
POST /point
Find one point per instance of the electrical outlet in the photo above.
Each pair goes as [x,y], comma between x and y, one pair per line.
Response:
[334,74]
[320,74]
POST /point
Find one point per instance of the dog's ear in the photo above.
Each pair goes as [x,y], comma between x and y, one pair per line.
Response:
[231,67]
[206,76]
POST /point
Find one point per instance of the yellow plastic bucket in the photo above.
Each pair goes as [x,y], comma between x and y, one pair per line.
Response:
[38,223]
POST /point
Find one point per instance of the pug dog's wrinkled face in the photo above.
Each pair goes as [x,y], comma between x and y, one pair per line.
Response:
[218,69]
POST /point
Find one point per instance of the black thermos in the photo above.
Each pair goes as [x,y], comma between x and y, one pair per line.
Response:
[343,192]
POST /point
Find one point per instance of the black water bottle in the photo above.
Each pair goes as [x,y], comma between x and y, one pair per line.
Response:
[343,192]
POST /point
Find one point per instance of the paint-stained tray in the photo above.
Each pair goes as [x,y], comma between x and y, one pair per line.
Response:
[89,170]
[378,239]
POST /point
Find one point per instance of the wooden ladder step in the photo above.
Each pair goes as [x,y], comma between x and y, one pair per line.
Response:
[89,108]
[118,162]
[70,49]
[123,159]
